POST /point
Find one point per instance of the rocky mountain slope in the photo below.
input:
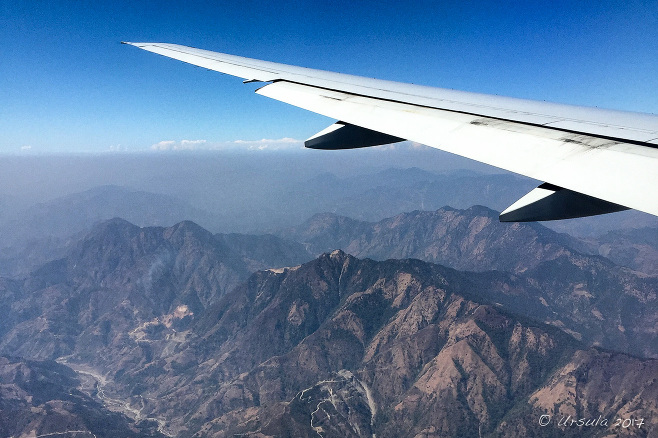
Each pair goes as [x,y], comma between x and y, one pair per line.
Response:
[635,248]
[347,347]
[43,399]
[121,276]
[471,239]
[586,295]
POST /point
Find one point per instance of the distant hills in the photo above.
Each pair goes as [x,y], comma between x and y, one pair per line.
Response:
[68,215]
[43,231]
[34,235]
[391,191]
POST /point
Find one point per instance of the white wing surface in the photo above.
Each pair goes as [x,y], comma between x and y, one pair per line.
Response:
[594,161]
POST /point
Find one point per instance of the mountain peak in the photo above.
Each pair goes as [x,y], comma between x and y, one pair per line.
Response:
[113,227]
[338,256]
[188,227]
[332,258]
[481,210]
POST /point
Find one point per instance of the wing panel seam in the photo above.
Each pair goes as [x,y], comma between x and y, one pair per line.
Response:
[536,125]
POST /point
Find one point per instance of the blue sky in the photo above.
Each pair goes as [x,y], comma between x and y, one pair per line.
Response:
[68,85]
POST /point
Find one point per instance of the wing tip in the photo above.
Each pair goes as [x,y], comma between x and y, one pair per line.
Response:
[140,45]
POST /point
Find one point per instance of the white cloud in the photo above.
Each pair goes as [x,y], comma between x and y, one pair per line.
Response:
[285,140]
[183,145]
[164,145]
[192,144]
[268,143]
[27,147]
[236,145]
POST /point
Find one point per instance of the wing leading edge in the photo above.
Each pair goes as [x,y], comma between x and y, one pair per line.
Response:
[595,161]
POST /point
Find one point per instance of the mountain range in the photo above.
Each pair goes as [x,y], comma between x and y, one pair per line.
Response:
[585,294]
[121,275]
[179,331]
[470,239]
[32,233]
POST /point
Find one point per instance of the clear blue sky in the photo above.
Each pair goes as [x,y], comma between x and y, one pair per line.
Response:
[67,84]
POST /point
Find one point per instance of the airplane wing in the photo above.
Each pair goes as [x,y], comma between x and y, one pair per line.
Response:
[593,160]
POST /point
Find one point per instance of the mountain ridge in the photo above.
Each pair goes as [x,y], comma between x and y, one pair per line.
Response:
[339,323]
